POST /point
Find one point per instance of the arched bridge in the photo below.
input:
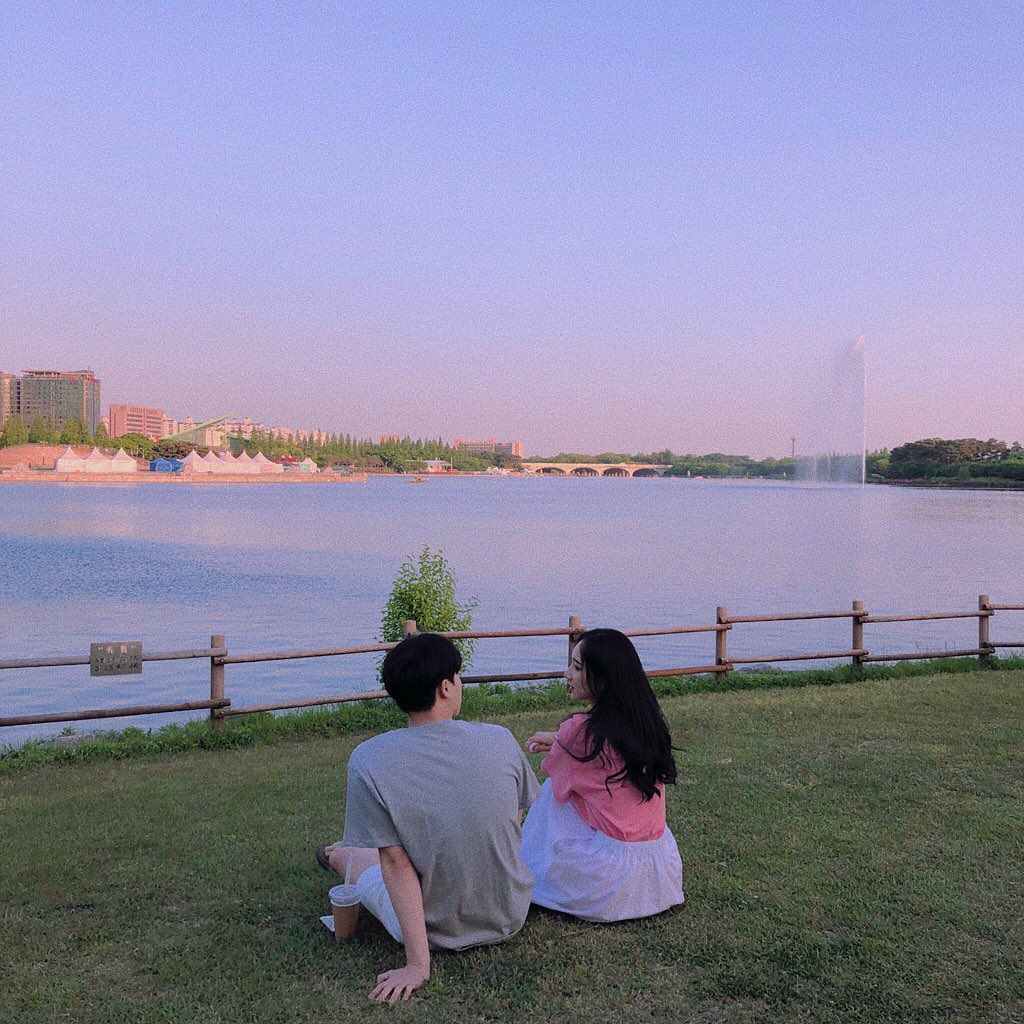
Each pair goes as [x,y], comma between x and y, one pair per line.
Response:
[593,469]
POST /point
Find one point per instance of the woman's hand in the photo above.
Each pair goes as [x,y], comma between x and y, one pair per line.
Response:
[540,742]
[399,984]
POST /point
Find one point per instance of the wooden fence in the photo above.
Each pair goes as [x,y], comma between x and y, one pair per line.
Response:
[221,708]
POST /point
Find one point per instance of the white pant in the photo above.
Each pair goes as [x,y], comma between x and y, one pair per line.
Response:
[370,891]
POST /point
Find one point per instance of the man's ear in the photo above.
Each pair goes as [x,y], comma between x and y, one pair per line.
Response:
[445,688]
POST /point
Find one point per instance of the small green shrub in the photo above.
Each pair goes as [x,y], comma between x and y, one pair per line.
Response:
[425,591]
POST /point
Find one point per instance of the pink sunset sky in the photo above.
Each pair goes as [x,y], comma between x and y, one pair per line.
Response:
[625,228]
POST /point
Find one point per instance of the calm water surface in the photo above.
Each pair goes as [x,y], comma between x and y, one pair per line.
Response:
[277,567]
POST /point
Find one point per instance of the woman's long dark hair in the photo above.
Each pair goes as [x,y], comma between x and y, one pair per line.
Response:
[626,715]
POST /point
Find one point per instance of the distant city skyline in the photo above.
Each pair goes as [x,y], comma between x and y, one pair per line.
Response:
[134,417]
[639,228]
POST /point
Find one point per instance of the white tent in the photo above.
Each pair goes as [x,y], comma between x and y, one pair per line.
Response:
[212,464]
[69,461]
[245,464]
[192,462]
[307,465]
[122,462]
[265,465]
[95,462]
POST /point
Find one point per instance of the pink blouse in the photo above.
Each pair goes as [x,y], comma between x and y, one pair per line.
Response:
[618,810]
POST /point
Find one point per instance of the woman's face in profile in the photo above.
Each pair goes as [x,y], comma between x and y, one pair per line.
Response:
[576,675]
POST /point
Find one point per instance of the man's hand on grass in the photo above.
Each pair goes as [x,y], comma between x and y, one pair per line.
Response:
[403,885]
[399,984]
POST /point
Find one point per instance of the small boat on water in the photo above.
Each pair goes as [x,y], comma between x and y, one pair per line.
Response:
[417,480]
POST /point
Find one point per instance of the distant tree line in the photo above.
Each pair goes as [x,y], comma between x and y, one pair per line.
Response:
[964,459]
[718,464]
[403,455]
[933,458]
[42,431]
[75,432]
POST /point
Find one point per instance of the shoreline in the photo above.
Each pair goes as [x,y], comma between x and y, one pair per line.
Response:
[481,700]
[326,477]
[49,477]
[957,485]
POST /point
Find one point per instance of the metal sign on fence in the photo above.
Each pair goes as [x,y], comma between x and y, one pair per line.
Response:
[117,659]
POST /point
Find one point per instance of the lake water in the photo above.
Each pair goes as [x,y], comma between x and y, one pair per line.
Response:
[290,567]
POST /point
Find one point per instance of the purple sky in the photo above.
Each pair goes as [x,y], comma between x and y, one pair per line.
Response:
[589,226]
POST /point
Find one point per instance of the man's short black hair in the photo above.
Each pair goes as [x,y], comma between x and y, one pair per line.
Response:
[416,667]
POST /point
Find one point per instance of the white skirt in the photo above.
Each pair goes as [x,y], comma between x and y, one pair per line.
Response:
[581,871]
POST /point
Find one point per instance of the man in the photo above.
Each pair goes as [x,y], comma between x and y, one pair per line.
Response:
[432,819]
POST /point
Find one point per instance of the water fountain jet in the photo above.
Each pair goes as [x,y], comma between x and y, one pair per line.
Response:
[834,442]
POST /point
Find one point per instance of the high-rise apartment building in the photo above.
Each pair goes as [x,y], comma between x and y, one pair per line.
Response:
[9,400]
[489,447]
[136,419]
[242,428]
[55,395]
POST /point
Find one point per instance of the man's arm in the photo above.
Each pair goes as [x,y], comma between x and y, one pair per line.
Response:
[403,885]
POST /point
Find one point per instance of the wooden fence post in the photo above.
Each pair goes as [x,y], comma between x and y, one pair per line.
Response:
[409,628]
[574,625]
[858,634]
[721,652]
[217,684]
[984,632]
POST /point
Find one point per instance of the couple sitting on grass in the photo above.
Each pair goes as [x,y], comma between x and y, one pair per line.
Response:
[434,843]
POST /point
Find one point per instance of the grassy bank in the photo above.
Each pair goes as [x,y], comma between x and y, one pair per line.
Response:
[851,854]
[368,716]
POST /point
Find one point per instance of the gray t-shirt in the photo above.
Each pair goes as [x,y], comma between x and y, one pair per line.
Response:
[450,793]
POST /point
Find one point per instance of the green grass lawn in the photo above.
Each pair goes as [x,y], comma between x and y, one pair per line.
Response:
[851,853]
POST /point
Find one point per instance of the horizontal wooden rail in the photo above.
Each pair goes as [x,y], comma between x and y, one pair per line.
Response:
[512,677]
[793,617]
[692,670]
[343,698]
[981,613]
[347,698]
[251,709]
[492,634]
[1019,643]
[1006,607]
[714,627]
[252,659]
[765,659]
[489,634]
[145,709]
[210,652]
[930,655]
[333,652]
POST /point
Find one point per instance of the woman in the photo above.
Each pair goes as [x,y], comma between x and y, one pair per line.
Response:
[596,840]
